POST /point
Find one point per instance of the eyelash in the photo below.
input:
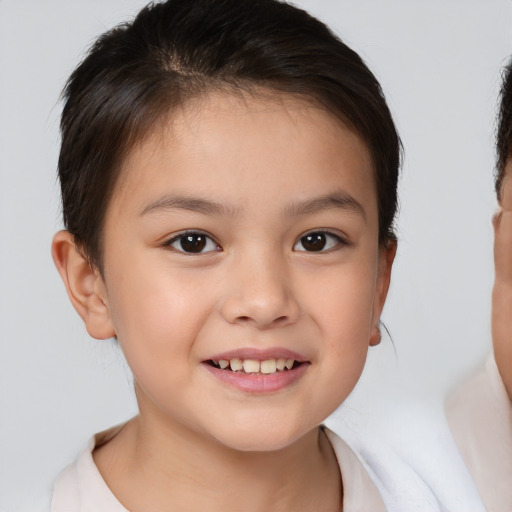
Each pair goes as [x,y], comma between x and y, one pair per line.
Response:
[339,241]
[179,238]
[207,239]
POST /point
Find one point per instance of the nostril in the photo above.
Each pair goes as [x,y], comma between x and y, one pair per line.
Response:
[247,319]
[278,320]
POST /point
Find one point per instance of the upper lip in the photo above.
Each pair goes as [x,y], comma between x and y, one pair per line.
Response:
[259,354]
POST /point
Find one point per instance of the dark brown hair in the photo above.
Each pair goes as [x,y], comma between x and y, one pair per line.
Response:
[504,131]
[136,73]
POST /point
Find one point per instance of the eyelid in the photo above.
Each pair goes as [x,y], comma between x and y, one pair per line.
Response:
[342,240]
[176,237]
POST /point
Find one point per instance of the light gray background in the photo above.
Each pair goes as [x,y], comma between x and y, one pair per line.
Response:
[439,64]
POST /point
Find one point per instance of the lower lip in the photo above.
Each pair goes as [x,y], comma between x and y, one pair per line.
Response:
[258,383]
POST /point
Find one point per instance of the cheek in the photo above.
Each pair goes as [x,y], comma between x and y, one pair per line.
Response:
[343,313]
[343,304]
[157,316]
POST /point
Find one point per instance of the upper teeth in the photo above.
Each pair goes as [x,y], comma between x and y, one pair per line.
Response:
[254,366]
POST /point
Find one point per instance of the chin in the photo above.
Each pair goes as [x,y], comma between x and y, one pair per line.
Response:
[262,436]
[260,444]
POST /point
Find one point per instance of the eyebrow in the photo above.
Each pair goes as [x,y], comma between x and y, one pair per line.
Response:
[335,201]
[194,204]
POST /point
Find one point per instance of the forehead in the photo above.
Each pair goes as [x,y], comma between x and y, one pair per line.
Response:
[245,145]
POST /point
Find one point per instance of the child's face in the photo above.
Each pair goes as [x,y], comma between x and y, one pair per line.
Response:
[207,257]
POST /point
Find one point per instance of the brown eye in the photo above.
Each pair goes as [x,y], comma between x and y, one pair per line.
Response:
[193,243]
[313,242]
[317,242]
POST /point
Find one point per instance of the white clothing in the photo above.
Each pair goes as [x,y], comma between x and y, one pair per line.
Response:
[480,416]
[81,488]
[409,464]
[410,455]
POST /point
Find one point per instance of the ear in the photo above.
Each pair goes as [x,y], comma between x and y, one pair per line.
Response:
[386,257]
[84,285]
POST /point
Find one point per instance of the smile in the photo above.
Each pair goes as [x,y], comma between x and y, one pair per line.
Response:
[257,372]
[266,367]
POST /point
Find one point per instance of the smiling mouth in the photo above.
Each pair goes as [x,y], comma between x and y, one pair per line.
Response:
[254,366]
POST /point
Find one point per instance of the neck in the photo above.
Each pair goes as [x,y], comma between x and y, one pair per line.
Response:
[149,466]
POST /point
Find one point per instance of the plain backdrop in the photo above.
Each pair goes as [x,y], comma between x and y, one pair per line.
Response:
[439,64]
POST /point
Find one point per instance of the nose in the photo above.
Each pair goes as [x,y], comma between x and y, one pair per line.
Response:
[260,294]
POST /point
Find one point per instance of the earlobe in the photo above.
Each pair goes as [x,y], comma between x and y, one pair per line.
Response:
[376,335]
[386,258]
[84,284]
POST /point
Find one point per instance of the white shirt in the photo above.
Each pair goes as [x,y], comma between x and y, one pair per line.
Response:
[81,488]
[395,467]
[480,416]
